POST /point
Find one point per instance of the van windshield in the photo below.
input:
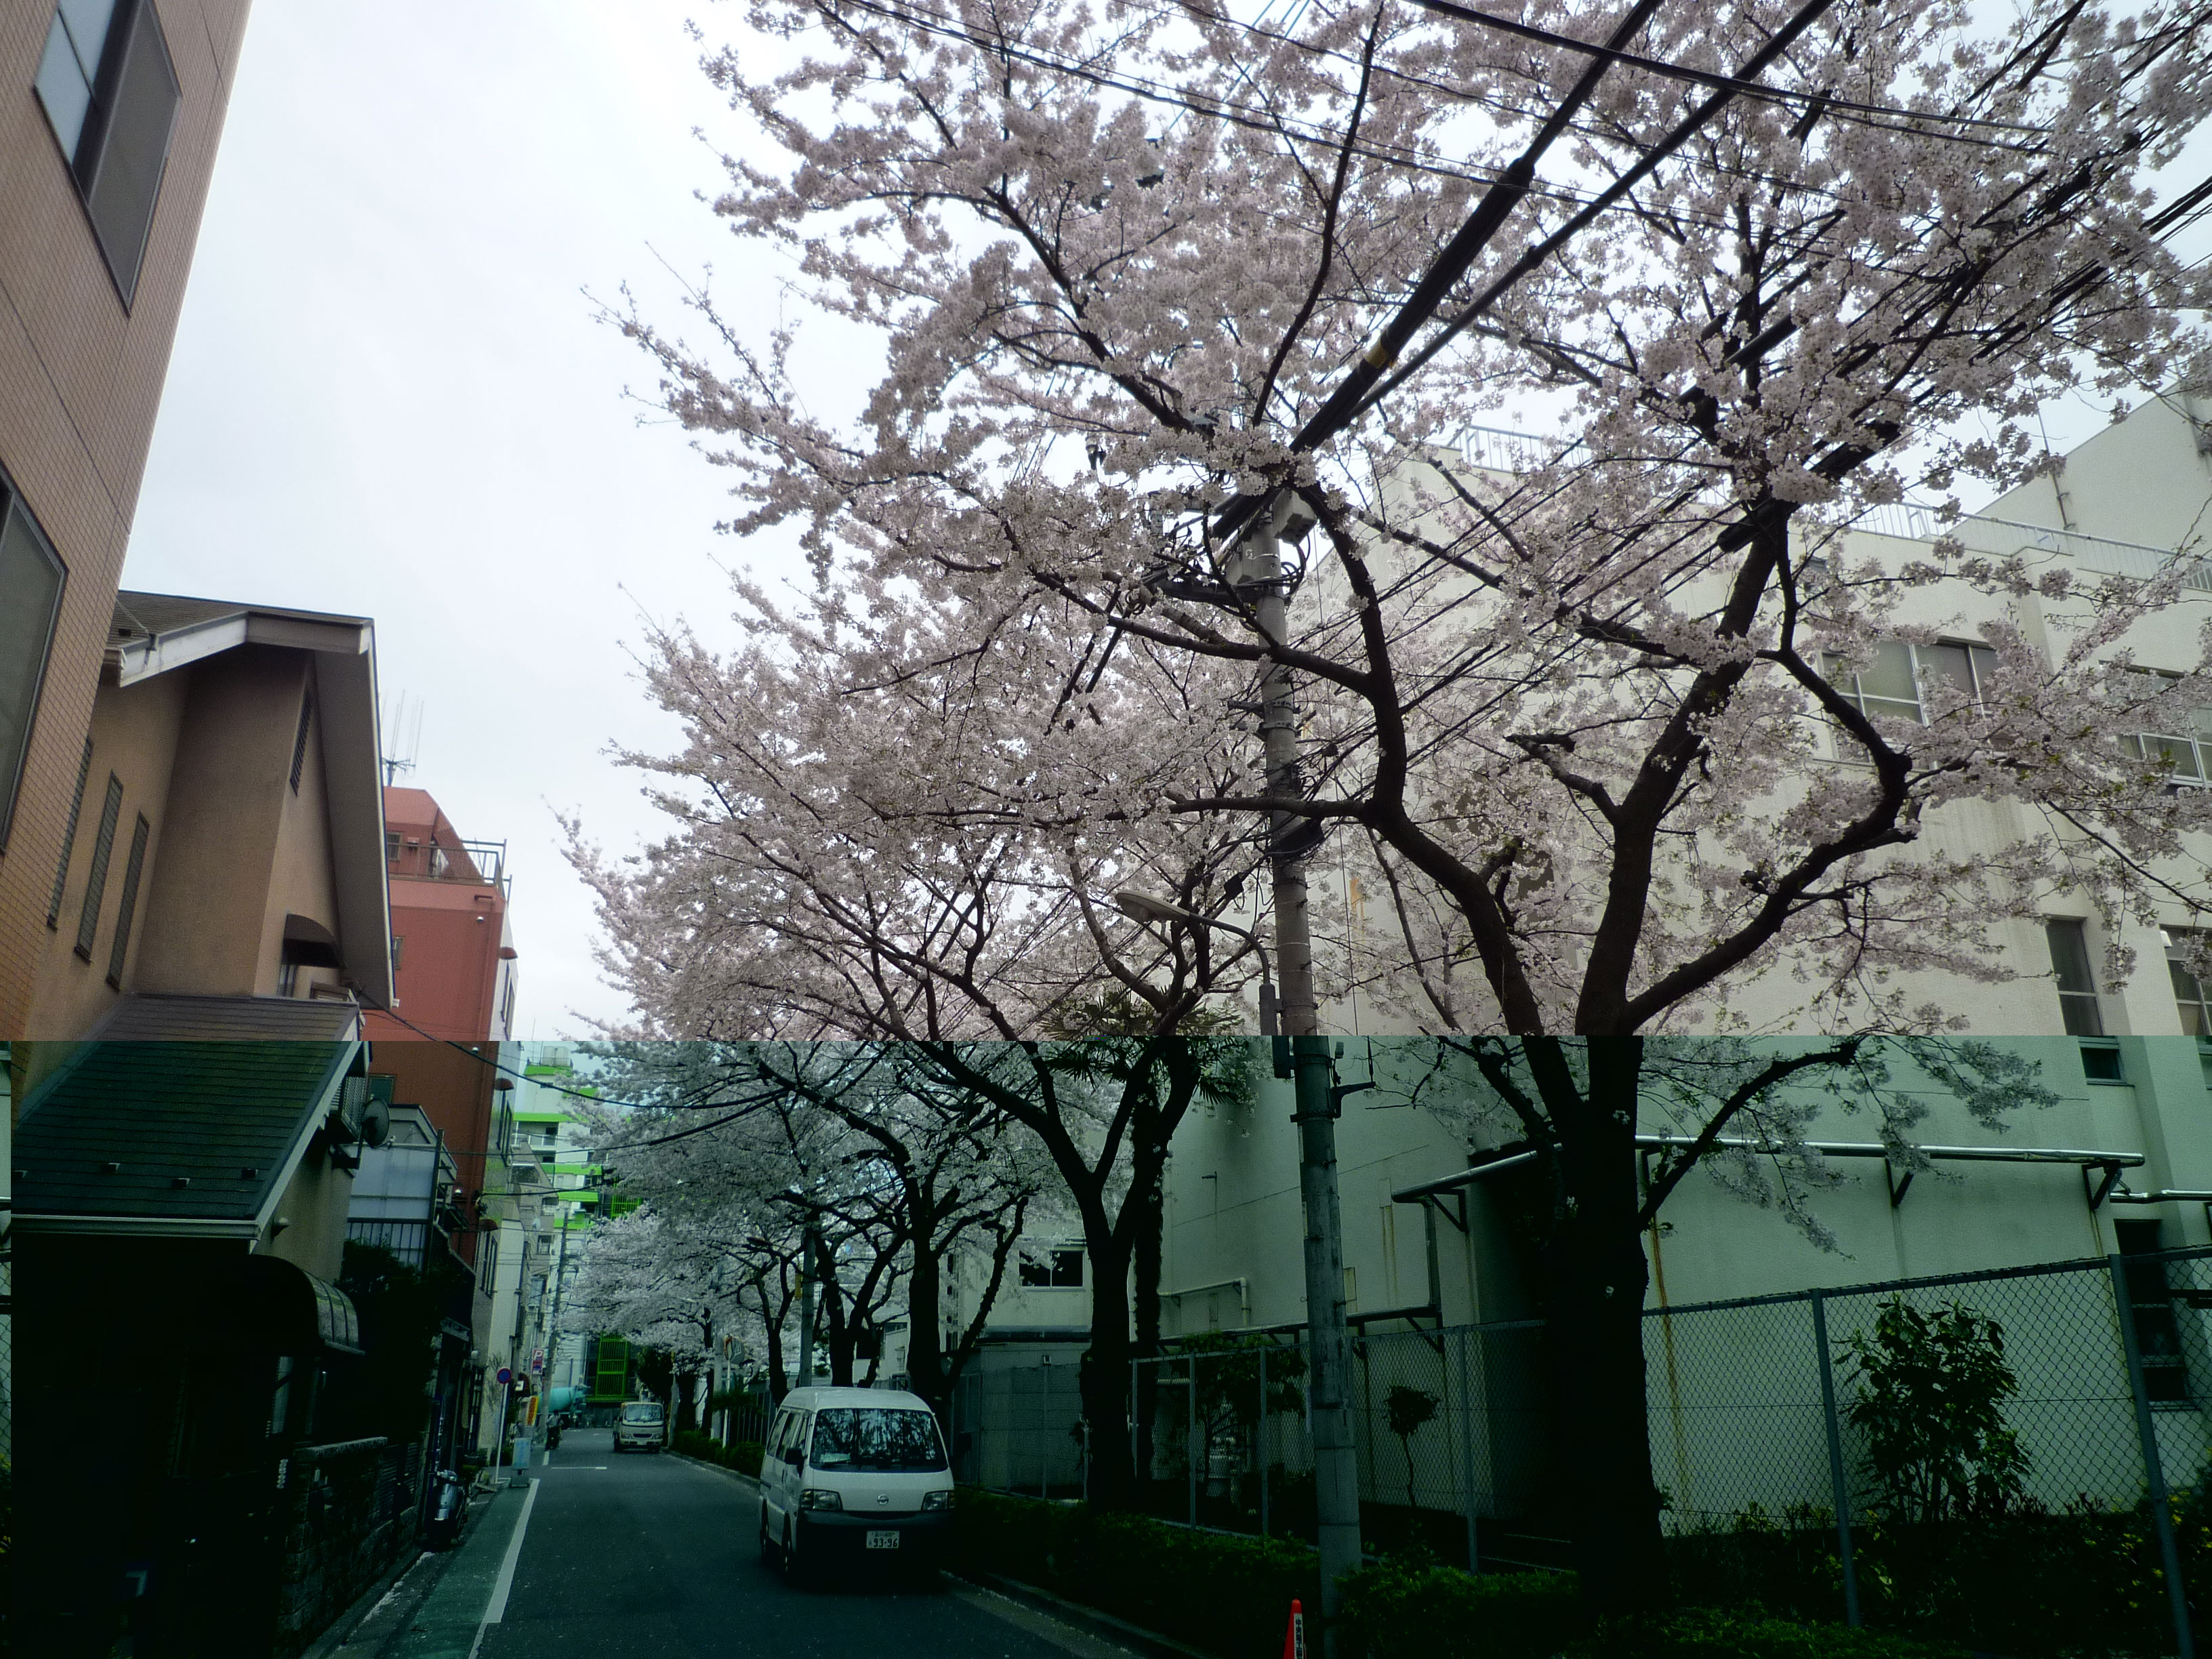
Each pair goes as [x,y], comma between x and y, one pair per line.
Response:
[641,1412]
[876,1437]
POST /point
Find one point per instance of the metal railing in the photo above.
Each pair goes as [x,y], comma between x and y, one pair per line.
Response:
[2003,538]
[476,863]
[2084,1506]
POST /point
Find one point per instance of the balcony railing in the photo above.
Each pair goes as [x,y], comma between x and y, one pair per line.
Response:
[2003,536]
[476,863]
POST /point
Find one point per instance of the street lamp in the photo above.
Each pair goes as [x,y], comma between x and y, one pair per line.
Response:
[1143,907]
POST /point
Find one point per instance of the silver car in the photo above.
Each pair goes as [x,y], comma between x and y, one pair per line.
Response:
[642,1426]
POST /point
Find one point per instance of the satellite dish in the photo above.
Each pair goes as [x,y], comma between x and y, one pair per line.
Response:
[376,1123]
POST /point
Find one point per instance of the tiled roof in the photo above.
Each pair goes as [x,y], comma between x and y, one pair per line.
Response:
[144,1019]
[201,1131]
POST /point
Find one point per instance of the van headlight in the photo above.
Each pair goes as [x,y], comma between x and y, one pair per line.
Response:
[937,1500]
[814,1497]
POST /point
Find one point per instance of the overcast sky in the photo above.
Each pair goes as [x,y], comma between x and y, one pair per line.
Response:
[390,396]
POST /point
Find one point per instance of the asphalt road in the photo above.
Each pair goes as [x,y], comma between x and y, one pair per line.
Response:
[652,1556]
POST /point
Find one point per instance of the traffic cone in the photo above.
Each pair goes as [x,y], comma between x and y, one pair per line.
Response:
[1294,1637]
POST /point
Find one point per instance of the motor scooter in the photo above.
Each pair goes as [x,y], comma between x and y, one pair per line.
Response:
[449,1507]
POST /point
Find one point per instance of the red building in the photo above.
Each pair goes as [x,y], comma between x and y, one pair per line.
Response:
[453,944]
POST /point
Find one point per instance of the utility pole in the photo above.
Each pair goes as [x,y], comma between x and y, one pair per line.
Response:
[1257,571]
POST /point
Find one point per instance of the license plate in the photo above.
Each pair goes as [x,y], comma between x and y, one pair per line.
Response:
[882,1541]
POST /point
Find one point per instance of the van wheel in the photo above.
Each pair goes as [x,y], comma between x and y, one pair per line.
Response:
[794,1572]
[767,1548]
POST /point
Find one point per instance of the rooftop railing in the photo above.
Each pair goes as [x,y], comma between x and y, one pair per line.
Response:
[479,863]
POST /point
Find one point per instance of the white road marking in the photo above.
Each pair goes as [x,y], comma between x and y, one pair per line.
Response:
[505,1582]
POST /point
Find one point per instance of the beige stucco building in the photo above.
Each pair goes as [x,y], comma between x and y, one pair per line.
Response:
[107,147]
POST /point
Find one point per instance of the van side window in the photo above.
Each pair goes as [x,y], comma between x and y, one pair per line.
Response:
[794,1451]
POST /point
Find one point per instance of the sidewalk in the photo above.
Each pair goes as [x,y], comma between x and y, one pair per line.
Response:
[436,1610]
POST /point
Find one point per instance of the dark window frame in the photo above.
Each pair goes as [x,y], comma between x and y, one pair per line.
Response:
[13,507]
[134,27]
[69,839]
[2158,1322]
[299,737]
[95,879]
[133,869]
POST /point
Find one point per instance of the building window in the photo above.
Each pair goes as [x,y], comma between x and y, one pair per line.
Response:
[31,578]
[111,94]
[95,880]
[1890,685]
[69,837]
[487,1270]
[131,871]
[2186,758]
[1057,1270]
[2190,995]
[2077,986]
[2158,1327]
[299,737]
[391,847]
[399,949]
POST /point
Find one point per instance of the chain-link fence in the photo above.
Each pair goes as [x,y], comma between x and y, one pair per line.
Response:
[2001,1456]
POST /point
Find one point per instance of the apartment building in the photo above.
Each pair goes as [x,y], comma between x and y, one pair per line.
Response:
[454,963]
[110,114]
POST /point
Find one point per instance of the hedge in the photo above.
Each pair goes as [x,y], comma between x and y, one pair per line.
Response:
[1229,1595]
[1716,1633]
[1442,1613]
[744,1457]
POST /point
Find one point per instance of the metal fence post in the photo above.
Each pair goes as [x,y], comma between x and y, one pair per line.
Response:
[1190,1440]
[1838,1487]
[1141,1479]
[2176,1593]
[1467,1446]
[1260,1441]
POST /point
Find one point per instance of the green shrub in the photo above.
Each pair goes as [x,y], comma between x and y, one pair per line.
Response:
[744,1457]
[1714,1634]
[1229,1595]
[1442,1613]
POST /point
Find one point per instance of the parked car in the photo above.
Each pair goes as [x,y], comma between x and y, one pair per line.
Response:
[854,1475]
[641,1425]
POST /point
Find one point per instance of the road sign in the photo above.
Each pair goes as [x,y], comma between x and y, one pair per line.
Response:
[505,1374]
[536,1361]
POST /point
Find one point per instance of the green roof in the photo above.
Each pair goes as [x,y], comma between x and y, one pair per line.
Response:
[197,1130]
[576,1169]
[544,1117]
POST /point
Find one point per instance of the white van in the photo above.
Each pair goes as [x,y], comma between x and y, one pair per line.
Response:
[853,1474]
[641,1425]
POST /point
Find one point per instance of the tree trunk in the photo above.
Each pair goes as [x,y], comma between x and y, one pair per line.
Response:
[840,1331]
[1595,1278]
[779,1383]
[1105,1379]
[924,1352]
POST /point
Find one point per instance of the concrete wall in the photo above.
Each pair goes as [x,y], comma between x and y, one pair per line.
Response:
[80,383]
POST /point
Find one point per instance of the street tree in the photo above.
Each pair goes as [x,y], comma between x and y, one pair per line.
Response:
[1134,277]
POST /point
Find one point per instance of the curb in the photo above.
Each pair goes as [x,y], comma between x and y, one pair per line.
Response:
[1074,1613]
[739,1475]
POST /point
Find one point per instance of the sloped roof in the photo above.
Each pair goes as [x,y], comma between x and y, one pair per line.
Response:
[153,634]
[145,1018]
[197,1133]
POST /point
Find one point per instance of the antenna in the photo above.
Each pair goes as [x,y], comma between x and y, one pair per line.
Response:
[406,745]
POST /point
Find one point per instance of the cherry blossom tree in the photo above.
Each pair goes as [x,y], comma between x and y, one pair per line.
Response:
[1136,276]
